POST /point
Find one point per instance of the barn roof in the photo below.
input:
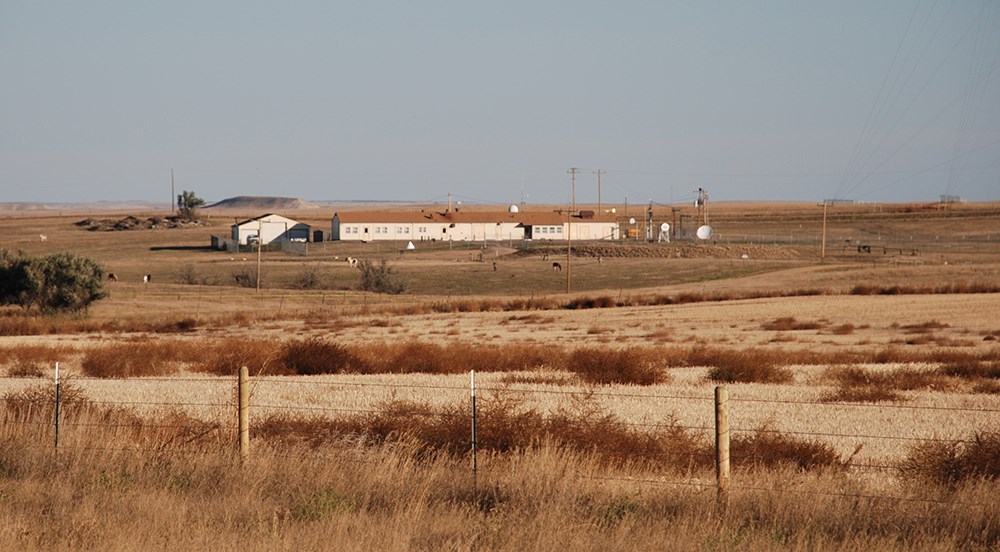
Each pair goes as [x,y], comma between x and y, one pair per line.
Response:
[267,216]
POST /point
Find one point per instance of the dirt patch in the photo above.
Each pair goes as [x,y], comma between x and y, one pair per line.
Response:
[134,223]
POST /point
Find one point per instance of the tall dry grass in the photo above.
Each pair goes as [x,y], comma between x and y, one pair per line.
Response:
[340,493]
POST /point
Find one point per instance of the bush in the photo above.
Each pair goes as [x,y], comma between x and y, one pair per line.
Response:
[60,282]
[316,356]
[380,278]
[770,448]
[626,366]
[126,360]
[226,357]
[741,366]
[950,463]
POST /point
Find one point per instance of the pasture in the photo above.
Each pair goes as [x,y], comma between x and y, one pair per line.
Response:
[366,453]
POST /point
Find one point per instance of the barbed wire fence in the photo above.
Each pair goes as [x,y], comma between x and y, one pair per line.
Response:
[222,418]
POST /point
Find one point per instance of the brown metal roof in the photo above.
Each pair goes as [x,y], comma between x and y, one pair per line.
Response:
[529,219]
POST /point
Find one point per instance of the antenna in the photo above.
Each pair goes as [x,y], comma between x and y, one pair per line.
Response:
[572,171]
[702,204]
[599,172]
[664,233]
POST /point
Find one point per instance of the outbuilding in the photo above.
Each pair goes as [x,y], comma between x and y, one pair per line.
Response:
[269,228]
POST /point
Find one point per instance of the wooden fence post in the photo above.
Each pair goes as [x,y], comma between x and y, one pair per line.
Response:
[244,413]
[722,443]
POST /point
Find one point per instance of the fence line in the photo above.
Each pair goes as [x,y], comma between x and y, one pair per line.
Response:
[223,431]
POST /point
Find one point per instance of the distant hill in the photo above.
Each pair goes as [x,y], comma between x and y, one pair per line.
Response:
[263,203]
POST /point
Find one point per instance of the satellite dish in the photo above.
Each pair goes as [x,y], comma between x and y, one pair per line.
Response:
[631,220]
[704,232]
[513,209]
[665,227]
[410,246]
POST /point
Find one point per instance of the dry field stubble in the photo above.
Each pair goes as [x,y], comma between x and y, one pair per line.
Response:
[830,324]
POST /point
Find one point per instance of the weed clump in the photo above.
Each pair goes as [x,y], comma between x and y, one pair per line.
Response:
[950,463]
[631,366]
[741,366]
[315,356]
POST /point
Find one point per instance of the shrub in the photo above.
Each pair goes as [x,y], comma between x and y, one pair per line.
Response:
[226,357]
[308,278]
[316,356]
[60,282]
[126,360]
[741,366]
[766,447]
[950,463]
[380,278]
[625,366]
[247,278]
[789,323]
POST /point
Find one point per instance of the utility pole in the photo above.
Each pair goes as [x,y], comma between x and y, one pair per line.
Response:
[599,172]
[173,198]
[573,171]
[822,249]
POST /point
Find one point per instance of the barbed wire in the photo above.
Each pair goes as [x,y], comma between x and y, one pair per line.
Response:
[866,405]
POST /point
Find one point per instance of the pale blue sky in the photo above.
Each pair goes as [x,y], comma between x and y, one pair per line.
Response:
[889,100]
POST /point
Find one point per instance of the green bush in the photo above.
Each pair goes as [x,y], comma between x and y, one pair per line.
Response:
[56,283]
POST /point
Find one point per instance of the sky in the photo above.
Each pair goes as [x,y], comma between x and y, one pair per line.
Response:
[493,102]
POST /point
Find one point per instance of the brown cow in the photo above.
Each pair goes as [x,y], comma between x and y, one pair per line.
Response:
[557,267]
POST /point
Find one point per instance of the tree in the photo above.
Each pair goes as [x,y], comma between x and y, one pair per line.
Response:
[60,282]
[19,279]
[187,204]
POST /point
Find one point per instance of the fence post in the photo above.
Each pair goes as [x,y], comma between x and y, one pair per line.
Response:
[244,413]
[722,443]
[472,386]
[57,408]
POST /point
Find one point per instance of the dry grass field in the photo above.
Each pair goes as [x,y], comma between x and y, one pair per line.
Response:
[856,386]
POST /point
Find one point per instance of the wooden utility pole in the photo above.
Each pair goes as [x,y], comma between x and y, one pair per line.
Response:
[599,172]
[260,243]
[822,248]
[572,171]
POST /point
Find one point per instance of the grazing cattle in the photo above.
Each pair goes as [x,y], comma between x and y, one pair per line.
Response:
[600,260]
[43,237]
[557,267]
[352,262]
[112,277]
[545,256]
[147,278]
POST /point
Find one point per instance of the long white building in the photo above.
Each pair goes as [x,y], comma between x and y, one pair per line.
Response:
[457,225]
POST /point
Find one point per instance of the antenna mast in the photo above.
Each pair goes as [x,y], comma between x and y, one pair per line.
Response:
[702,204]
[599,172]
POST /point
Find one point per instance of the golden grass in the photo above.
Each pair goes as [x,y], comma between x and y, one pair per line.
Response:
[401,495]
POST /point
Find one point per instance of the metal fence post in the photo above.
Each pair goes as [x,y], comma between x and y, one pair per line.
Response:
[472,386]
[244,413]
[722,443]
[57,409]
